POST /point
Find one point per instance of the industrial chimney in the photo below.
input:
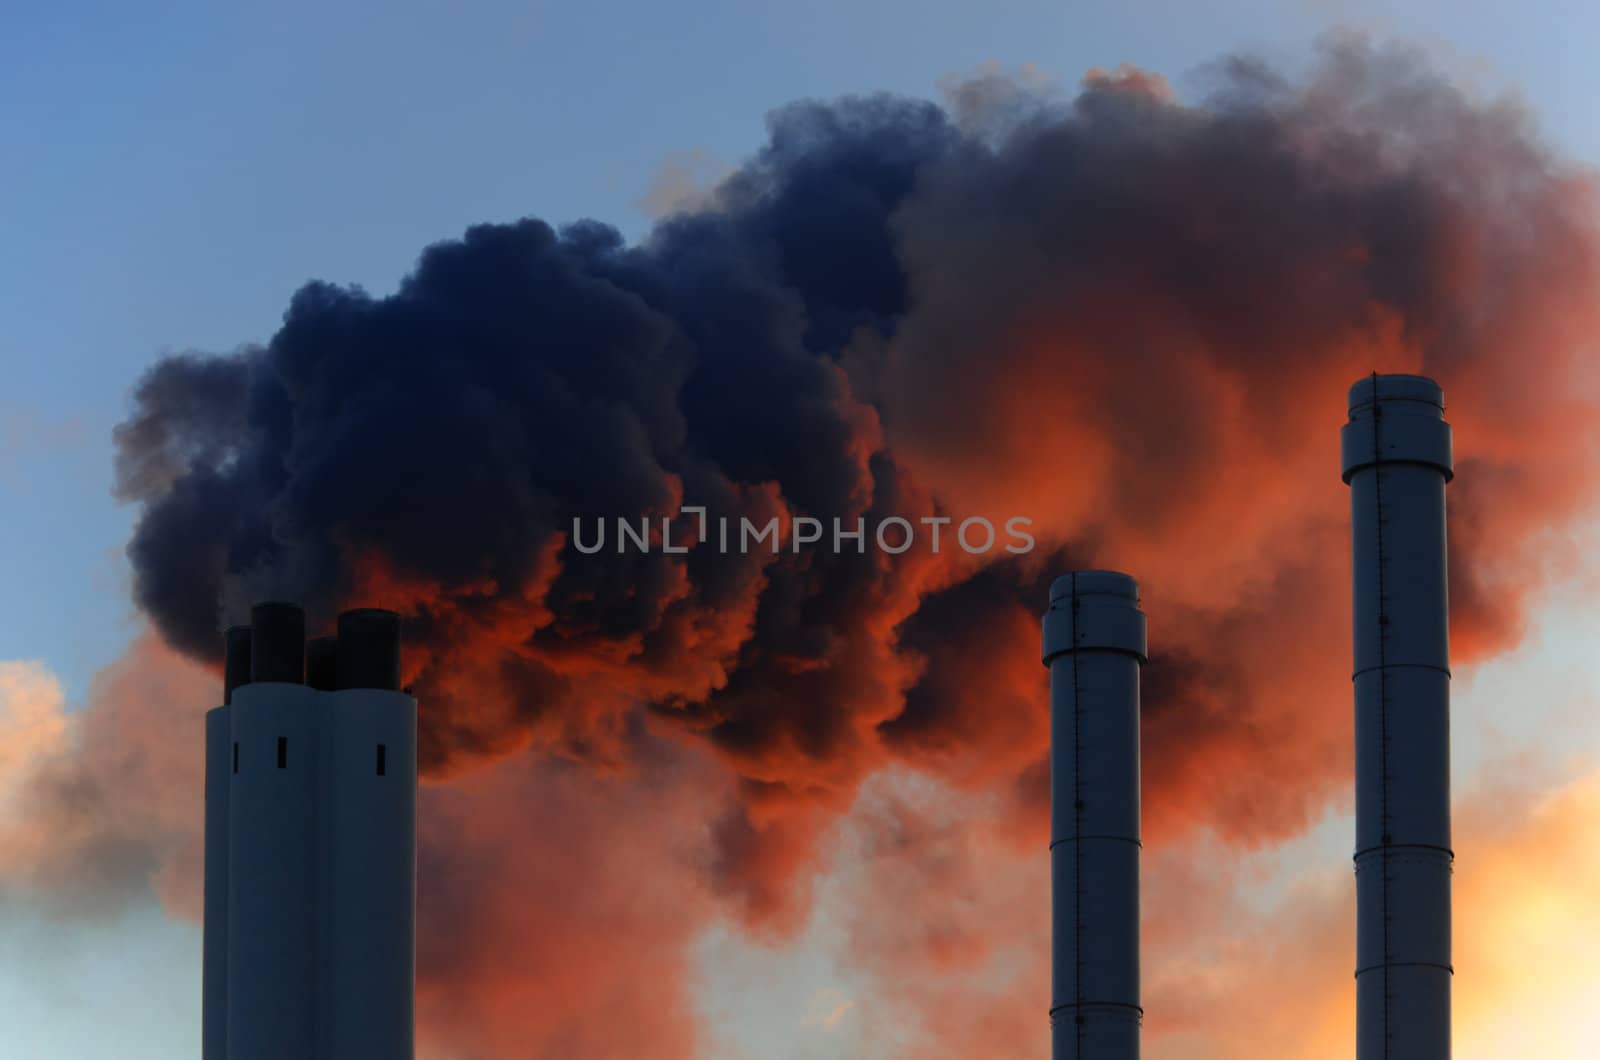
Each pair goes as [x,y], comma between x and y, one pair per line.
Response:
[1397,459]
[1094,645]
[311,801]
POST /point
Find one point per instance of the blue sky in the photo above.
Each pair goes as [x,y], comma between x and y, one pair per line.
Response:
[170,173]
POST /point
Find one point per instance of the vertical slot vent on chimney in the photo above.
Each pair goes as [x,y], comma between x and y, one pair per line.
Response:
[283,752]
[382,759]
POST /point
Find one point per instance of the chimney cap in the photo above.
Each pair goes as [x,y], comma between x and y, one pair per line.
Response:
[1094,583]
[1399,387]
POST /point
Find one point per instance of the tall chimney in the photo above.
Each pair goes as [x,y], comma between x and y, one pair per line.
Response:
[1094,645]
[1397,459]
[310,860]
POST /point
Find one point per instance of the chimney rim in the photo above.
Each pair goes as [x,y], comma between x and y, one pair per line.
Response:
[1397,386]
[1095,582]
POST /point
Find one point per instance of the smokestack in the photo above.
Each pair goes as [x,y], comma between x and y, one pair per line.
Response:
[322,663]
[369,649]
[1397,459]
[1094,645]
[277,643]
[311,811]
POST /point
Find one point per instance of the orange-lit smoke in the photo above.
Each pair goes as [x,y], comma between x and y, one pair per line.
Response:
[1129,317]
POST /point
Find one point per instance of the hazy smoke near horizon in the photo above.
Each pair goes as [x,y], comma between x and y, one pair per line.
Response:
[1128,316]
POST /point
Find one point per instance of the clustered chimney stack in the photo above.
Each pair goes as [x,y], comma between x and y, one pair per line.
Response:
[1094,645]
[1397,459]
[310,856]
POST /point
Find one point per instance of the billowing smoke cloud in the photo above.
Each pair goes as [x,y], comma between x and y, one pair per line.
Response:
[1128,317]
[102,805]
[561,909]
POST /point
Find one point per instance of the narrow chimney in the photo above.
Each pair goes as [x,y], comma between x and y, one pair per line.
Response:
[277,643]
[369,649]
[236,660]
[322,663]
[1397,459]
[1094,645]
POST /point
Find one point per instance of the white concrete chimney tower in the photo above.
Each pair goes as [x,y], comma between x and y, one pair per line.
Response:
[311,807]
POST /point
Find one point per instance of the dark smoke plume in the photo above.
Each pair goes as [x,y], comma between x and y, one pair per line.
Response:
[1128,317]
